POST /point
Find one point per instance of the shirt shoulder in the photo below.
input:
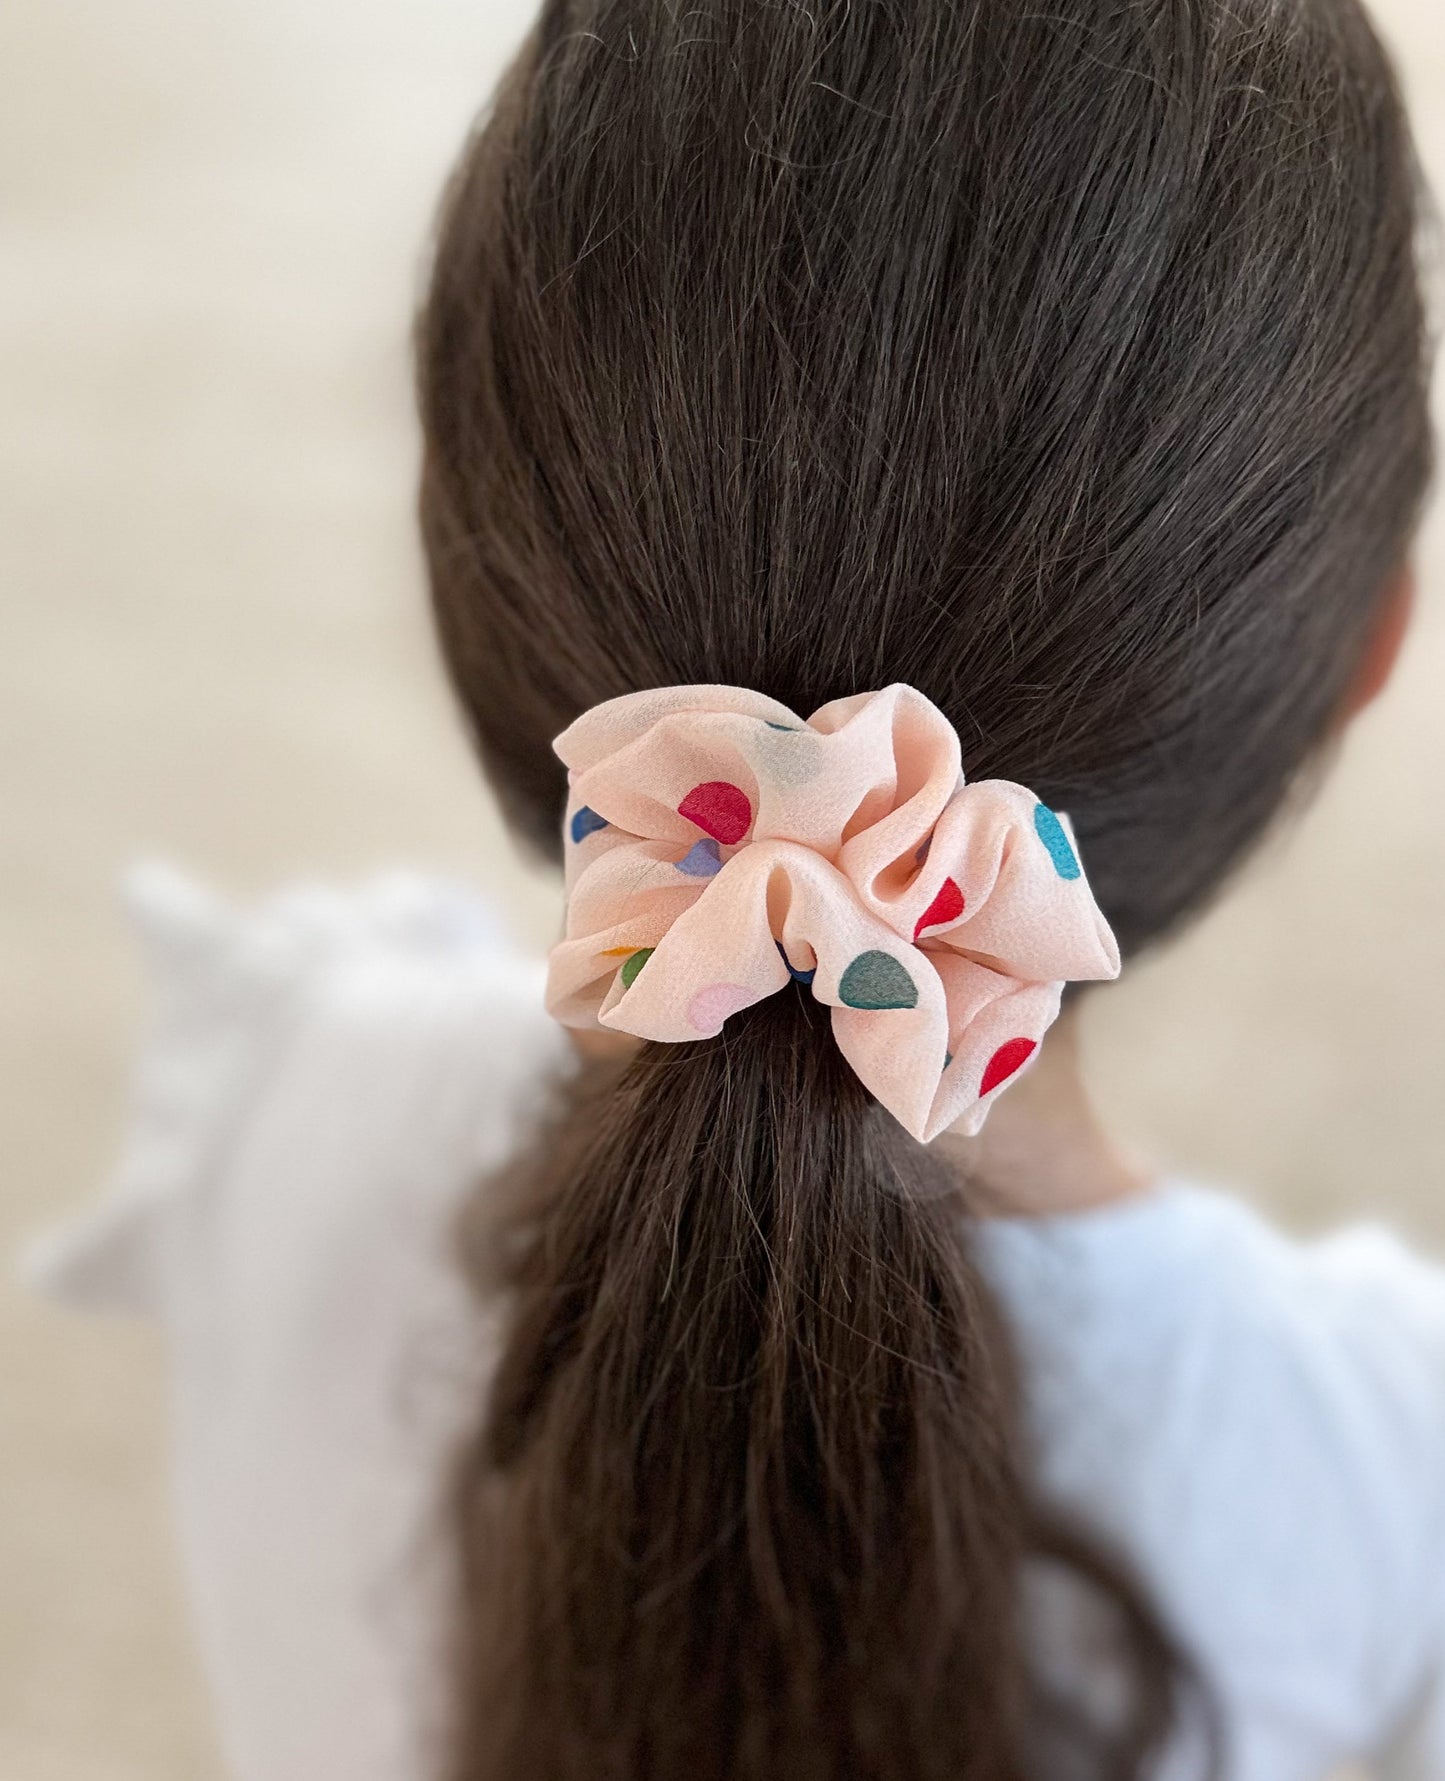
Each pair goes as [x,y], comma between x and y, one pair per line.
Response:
[1258,1422]
[326,1080]
[321,1033]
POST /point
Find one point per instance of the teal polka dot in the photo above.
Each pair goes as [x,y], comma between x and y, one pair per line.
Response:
[1051,832]
[877,980]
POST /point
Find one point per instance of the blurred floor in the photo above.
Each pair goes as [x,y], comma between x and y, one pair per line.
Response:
[210,226]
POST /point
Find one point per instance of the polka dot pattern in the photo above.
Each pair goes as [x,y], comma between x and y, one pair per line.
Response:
[719,809]
[793,971]
[633,964]
[1008,1059]
[1051,832]
[702,859]
[877,980]
[586,822]
[946,907]
[710,1007]
[936,918]
[789,757]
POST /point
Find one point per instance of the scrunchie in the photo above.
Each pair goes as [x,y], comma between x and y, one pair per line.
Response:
[718,846]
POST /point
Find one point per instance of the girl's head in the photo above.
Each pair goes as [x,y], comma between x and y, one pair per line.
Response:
[1063,362]
[1067,364]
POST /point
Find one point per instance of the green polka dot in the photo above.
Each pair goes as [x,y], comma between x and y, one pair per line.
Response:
[632,966]
[877,980]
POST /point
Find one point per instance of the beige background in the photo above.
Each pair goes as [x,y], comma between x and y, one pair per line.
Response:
[210,219]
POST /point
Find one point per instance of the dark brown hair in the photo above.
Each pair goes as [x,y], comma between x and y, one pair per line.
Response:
[1068,364]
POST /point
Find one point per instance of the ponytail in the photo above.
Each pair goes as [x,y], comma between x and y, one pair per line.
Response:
[814,349]
[747,1503]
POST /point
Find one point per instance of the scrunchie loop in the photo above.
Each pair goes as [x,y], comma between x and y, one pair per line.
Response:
[719,846]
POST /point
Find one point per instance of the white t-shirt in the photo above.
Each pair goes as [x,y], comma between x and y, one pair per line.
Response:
[1257,1423]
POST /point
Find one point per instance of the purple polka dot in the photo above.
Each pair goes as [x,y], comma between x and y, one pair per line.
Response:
[702,859]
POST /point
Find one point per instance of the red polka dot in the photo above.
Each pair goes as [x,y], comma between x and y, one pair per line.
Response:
[719,810]
[946,906]
[1008,1058]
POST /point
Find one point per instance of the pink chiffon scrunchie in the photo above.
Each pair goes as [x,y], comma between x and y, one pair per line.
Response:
[718,846]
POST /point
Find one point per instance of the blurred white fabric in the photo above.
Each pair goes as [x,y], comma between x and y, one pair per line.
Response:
[1256,1424]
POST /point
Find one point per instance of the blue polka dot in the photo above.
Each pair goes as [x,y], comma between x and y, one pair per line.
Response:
[586,822]
[702,859]
[793,971]
[1051,833]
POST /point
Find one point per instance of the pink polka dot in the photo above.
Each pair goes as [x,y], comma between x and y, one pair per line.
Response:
[710,1007]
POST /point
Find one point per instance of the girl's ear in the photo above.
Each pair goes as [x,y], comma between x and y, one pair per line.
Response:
[1383,650]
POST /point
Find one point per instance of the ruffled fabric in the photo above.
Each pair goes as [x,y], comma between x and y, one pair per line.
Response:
[719,846]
